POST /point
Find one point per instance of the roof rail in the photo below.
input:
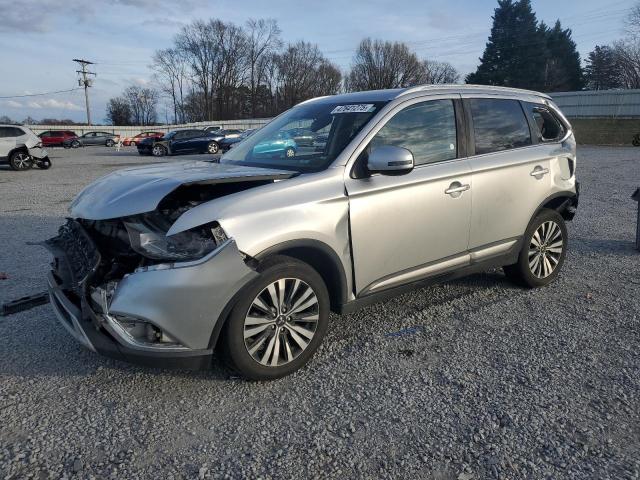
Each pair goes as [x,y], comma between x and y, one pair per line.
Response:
[471,87]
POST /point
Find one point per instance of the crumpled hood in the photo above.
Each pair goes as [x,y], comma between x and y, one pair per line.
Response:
[140,189]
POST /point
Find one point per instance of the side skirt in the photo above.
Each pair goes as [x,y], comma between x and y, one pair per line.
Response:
[508,258]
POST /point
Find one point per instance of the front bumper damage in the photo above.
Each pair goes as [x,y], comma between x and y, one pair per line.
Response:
[184,300]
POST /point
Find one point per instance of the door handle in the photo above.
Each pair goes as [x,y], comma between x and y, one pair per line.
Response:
[456,189]
[539,172]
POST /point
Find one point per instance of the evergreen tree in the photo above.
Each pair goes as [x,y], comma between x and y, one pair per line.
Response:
[602,71]
[562,70]
[515,53]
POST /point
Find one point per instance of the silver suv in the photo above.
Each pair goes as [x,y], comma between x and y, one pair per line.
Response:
[401,188]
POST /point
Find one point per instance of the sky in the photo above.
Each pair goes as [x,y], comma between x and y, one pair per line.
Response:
[39,38]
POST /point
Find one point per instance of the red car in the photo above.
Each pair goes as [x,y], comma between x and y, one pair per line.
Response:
[55,137]
[133,141]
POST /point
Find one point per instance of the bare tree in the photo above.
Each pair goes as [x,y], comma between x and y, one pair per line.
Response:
[263,40]
[440,72]
[627,54]
[632,22]
[171,73]
[299,67]
[143,102]
[379,65]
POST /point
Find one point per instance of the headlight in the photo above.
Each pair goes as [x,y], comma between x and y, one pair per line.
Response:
[190,245]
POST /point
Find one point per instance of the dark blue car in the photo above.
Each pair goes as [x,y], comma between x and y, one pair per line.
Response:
[179,142]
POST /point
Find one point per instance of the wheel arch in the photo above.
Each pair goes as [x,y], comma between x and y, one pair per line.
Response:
[315,253]
[322,258]
[564,203]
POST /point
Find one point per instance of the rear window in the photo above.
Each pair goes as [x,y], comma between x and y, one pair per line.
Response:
[498,125]
[548,126]
[6,132]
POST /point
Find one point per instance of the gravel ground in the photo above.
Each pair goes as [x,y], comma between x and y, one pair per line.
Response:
[472,379]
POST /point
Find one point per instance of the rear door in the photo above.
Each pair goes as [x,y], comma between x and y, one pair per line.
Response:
[510,172]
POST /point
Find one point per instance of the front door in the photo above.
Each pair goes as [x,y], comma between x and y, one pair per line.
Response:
[411,226]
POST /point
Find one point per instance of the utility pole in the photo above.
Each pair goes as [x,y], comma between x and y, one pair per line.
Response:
[86,82]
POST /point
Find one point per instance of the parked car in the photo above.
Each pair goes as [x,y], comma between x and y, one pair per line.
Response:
[228,142]
[281,144]
[302,136]
[133,141]
[21,148]
[56,137]
[162,264]
[91,138]
[179,142]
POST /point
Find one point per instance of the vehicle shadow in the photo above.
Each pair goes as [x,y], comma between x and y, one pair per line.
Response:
[617,247]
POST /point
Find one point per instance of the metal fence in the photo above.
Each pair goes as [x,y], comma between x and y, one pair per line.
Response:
[599,103]
[130,131]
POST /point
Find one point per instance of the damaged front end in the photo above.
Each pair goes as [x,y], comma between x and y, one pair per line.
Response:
[113,290]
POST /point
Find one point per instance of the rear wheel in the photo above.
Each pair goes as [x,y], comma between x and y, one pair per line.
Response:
[75,144]
[158,151]
[543,251]
[20,161]
[290,152]
[110,143]
[279,321]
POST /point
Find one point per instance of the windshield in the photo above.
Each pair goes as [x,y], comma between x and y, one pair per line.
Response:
[306,138]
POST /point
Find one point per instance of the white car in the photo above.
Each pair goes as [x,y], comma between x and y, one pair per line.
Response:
[21,148]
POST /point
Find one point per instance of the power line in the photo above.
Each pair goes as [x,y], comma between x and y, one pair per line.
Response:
[40,94]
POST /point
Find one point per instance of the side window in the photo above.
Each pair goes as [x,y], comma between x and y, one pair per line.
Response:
[498,125]
[17,132]
[549,127]
[426,129]
[5,132]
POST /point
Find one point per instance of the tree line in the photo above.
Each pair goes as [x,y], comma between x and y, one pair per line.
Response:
[220,70]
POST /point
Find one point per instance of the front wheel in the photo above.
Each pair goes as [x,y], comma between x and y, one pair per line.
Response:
[20,161]
[543,251]
[158,151]
[290,152]
[279,321]
[213,148]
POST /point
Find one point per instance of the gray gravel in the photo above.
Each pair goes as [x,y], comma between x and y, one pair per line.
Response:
[472,379]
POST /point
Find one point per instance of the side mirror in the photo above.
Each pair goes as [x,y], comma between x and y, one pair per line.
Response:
[390,160]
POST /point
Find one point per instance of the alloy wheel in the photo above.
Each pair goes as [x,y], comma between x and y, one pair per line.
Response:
[158,151]
[213,148]
[290,153]
[545,249]
[281,322]
[22,161]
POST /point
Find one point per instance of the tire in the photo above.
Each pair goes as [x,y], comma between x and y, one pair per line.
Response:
[20,161]
[44,164]
[132,143]
[284,344]
[213,148]
[110,143]
[290,152]
[547,229]
[75,144]
[158,151]
[636,141]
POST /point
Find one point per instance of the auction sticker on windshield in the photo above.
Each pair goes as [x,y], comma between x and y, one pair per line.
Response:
[360,108]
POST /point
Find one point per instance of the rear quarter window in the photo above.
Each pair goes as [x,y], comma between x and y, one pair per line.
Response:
[547,125]
[498,124]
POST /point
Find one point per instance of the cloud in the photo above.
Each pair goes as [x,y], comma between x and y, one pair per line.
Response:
[53,103]
[40,16]
[12,104]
